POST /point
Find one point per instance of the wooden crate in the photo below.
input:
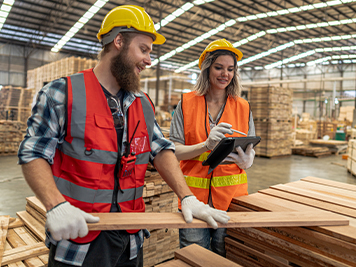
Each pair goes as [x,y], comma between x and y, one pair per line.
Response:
[326,128]
[297,246]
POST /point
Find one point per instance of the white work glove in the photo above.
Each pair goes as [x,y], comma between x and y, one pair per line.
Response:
[242,159]
[192,207]
[217,133]
[68,222]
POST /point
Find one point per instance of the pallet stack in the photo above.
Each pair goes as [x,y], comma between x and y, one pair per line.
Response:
[326,128]
[15,103]
[159,197]
[297,246]
[38,77]
[272,109]
[11,135]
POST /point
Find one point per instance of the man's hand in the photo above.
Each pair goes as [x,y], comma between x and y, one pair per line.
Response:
[217,133]
[68,222]
[191,207]
[242,159]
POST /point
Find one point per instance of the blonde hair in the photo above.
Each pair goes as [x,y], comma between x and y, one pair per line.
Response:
[202,86]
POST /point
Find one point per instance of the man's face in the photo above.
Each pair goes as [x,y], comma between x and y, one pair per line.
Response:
[132,59]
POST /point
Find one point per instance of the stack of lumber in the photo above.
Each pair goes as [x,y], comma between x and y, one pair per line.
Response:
[159,197]
[272,109]
[305,135]
[38,77]
[346,113]
[15,103]
[10,136]
[351,159]
[310,151]
[335,146]
[19,246]
[297,246]
[197,256]
[326,128]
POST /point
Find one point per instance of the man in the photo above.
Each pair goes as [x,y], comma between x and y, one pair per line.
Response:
[88,143]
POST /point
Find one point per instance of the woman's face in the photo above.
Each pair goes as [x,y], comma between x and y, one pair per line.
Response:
[221,72]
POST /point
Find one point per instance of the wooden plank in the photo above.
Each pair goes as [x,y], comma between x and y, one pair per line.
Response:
[328,190]
[315,195]
[320,204]
[329,183]
[17,238]
[36,227]
[4,224]
[247,256]
[198,256]
[15,222]
[15,264]
[285,248]
[117,221]
[174,263]
[258,201]
[23,253]
[35,203]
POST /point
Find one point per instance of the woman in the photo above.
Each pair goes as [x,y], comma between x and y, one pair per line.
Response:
[201,120]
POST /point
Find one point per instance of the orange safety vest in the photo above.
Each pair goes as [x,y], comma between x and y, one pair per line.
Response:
[84,164]
[226,181]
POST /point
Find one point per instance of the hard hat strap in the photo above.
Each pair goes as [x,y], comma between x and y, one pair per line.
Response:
[110,36]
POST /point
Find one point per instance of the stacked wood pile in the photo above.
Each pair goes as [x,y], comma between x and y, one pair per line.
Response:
[335,146]
[19,246]
[11,135]
[159,197]
[272,109]
[15,103]
[326,128]
[38,77]
[159,247]
[197,256]
[297,246]
[310,151]
[351,159]
[305,135]
[346,113]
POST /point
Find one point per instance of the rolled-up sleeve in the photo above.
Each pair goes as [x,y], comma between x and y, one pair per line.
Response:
[45,127]
[159,142]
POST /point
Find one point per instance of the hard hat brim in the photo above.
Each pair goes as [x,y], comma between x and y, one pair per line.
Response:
[237,53]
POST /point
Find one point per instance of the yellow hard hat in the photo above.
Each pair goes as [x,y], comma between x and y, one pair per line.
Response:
[220,44]
[129,18]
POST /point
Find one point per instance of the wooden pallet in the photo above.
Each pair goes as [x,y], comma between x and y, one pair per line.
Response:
[310,151]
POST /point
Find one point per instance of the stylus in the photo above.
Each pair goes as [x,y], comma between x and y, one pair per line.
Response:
[238,132]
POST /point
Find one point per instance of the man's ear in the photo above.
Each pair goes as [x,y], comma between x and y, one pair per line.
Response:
[118,42]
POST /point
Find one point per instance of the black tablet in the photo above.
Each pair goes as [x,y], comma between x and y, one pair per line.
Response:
[225,147]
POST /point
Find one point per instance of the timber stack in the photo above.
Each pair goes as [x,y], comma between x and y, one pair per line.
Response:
[272,109]
[297,246]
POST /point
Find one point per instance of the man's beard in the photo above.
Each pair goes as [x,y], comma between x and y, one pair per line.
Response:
[124,72]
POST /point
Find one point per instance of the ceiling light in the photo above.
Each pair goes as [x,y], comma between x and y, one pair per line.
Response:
[242,19]
[261,15]
[230,22]
[320,5]
[301,27]
[294,9]
[307,7]
[5,8]
[252,17]
[272,14]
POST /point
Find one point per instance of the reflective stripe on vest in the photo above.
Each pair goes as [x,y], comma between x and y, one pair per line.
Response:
[92,196]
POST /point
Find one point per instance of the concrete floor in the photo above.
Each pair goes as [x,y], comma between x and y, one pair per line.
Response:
[264,173]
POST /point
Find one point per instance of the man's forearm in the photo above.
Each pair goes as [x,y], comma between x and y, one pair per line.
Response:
[39,177]
[167,165]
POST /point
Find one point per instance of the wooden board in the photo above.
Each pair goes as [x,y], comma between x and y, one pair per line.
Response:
[174,263]
[115,221]
[329,183]
[198,256]
[24,252]
[4,224]
[35,226]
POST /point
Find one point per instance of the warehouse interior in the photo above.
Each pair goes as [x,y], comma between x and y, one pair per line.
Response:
[298,74]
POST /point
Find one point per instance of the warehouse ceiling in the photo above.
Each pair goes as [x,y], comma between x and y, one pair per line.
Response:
[269,33]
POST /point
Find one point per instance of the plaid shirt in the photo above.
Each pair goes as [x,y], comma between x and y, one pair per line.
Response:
[46,131]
